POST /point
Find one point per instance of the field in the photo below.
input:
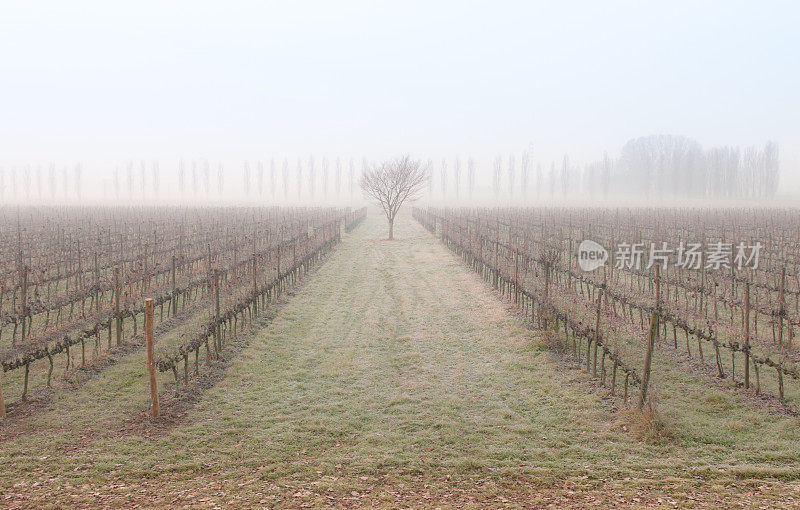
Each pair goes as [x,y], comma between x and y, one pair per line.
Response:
[429,371]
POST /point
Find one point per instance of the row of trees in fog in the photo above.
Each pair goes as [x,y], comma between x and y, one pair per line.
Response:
[258,178]
[194,178]
[676,166]
[40,182]
[334,180]
[654,167]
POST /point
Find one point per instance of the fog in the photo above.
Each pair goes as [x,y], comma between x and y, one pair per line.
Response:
[284,103]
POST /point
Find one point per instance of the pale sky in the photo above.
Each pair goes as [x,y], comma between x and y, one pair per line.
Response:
[106,82]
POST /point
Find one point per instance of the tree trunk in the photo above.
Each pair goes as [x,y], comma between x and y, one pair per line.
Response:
[391,228]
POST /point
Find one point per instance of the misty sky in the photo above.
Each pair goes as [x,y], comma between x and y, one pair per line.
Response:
[104,82]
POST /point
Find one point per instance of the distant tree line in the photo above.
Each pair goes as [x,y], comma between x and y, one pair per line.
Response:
[676,166]
[652,166]
[660,166]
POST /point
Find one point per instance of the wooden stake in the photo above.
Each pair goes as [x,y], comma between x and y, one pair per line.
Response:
[151,367]
[597,326]
[96,284]
[2,401]
[117,292]
[255,284]
[781,310]
[24,303]
[217,335]
[747,334]
[651,339]
[173,300]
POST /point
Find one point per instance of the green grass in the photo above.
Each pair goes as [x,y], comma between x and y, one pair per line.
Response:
[396,377]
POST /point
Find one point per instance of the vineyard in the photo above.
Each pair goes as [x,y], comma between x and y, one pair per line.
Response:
[739,320]
[269,357]
[400,255]
[73,282]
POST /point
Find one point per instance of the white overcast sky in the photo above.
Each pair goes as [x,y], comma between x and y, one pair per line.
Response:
[104,82]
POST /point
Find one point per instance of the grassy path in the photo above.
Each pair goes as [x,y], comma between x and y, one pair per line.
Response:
[396,377]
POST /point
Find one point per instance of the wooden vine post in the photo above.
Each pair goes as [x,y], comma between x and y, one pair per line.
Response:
[280,245]
[117,292]
[747,334]
[546,279]
[96,283]
[2,401]
[79,274]
[294,254]
[597,326]
[255,284]
[24,301]
[146,275]
[496,276]
[516,275]
[651,340]
[151,366]
[217,336]
[781,309]
[173,300]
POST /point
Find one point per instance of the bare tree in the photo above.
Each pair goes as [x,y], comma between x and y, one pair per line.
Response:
[52,179]
[26,181]
[206,177]
[116,182]
[272,178]
[285,177]
[523,174]
[246,177]
[220,179]
[539,180]
[352,178]
[429,173]
[457,176]
[606,180]
[471,175]
[311,176]
[78,180]
[443,180]
[156,172]
[392,183]
[498,168]
[181,177]
[260,178]
[771,169]
[325,176]
[194,178]
[299,177]
[142,175]
[338,176]
[39,180]
[511,175]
